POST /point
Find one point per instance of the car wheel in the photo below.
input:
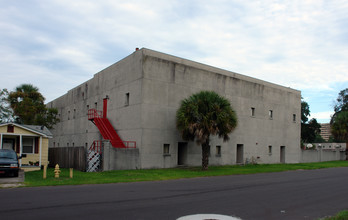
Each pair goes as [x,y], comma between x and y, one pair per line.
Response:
[15,174]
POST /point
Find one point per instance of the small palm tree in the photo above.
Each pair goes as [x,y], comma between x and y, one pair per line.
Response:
[203,114]
[339,127]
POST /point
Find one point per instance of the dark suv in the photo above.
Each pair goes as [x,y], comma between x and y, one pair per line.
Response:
[9,162]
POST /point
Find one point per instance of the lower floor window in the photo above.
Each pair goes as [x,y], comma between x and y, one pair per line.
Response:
[218,151]
[28,145]
[166,149]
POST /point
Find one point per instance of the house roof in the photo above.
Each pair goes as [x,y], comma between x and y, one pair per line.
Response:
[38,129]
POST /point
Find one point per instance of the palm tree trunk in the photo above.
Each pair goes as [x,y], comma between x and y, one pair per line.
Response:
[205,155]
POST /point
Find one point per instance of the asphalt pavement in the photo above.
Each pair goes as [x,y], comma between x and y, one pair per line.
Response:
[299,194]
[6,181]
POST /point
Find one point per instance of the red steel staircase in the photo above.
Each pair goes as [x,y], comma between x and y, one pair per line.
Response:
[108,132]
[106,129]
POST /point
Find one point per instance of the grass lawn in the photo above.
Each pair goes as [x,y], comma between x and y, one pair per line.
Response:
[343,215]
[34,178]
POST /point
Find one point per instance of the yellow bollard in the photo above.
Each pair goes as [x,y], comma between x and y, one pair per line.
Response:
[45,172]
[56,171]
[71,173]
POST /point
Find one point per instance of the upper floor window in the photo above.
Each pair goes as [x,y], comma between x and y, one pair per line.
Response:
[294,117]
[270,114]
[252,112]
[127,99]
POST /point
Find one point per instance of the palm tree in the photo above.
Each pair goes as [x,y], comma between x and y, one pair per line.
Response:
[203,114]
[27,103]
[339,127]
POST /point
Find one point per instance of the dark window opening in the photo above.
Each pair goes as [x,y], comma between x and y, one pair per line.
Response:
[218,151]
[28,145]
[166,149]
[253,112]
[127,99]
[10,128]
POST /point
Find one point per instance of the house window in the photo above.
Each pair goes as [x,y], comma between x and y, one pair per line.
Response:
[68,115]
[294,117]
[127,99]
[74,115]
[252,112]
[270,114]
[28,145]
[269,150]
[218,151]
[10,128]
[166,149]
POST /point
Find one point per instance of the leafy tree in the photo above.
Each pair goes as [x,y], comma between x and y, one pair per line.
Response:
[5,110]
[29,108]
[309,129]
[339,120]
[319,139]
[342,101]
[204,114]
[339,128]
[305,112]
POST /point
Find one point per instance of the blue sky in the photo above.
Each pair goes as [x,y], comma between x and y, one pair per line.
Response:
[58,44]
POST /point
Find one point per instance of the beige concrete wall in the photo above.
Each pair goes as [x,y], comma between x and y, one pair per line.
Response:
[168,80]
[156,84]
[115,81]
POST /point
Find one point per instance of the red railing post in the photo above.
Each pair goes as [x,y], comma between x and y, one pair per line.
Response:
[105,107]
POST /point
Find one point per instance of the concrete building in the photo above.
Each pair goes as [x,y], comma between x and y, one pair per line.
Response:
[145,89]
[325,131]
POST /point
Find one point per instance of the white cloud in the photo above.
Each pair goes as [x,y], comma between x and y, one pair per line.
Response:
[301,44]
[323,117]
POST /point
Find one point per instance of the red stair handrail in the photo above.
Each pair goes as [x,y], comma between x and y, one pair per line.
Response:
[107,130]
[93,113]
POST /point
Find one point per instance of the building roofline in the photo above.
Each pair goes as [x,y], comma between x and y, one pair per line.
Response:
[164,56]
[27,127]
[198,65]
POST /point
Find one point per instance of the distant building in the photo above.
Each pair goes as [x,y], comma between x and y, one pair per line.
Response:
[325,131]
[143,92]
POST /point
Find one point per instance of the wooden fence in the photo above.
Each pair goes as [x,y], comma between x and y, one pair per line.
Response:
[68,157]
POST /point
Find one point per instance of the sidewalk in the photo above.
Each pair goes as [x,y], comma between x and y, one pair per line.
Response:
[6,182]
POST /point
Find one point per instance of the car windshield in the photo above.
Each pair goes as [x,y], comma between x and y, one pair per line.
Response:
[8,154]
